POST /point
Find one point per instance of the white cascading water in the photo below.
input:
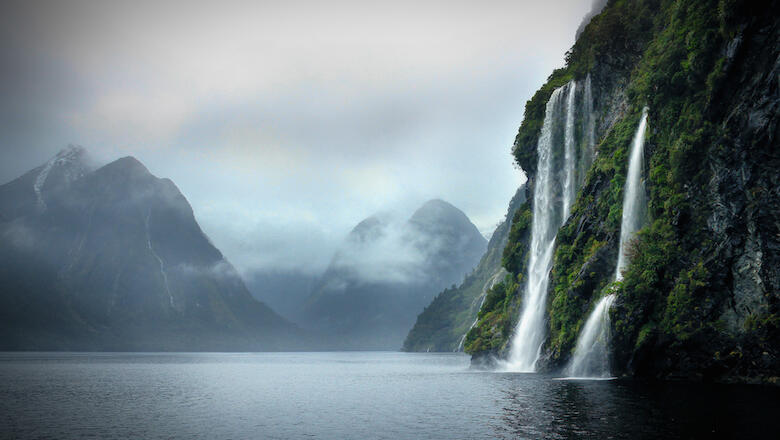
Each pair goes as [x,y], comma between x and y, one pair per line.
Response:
[634,199]
[550,212]
[591,356]
[570,158]
[589,131]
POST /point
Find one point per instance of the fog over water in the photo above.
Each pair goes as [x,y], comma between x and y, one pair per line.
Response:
[285,123]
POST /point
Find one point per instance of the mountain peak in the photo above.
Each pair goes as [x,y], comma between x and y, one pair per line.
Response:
[71,153]
[369,229]
[437,203]
[436,210]
[160,283]
[127,167]
[129,162]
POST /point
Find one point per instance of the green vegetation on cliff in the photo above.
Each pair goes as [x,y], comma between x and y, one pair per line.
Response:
[700,296]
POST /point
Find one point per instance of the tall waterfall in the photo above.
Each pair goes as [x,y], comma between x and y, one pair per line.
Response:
[570,179]
[591,356]
[554,191]
[589,131]
[634,199]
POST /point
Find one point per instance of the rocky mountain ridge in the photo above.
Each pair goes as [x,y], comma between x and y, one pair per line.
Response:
[113,259]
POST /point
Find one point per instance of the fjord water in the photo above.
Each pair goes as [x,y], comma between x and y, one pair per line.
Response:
[350,395]
[591,355]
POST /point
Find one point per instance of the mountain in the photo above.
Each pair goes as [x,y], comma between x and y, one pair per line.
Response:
[700,296]
[113,259]
[443,324]
[385,273]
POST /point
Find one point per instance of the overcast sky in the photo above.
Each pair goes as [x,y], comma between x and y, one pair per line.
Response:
[285,123]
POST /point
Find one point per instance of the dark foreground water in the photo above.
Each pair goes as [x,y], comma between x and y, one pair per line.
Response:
[352,396]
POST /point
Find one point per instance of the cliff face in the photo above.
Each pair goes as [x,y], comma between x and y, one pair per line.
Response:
[700,295]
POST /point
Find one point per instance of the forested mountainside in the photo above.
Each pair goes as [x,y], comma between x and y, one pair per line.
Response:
[443,324]
[700,294]
[385,273]
[113,259]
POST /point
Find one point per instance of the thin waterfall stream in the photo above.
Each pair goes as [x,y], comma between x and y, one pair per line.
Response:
[570,179]
[591,355]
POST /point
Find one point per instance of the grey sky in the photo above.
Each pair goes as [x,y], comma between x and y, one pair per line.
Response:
[285,123]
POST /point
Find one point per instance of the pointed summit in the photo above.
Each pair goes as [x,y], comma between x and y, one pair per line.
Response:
[367,230]
[126,167]
[436,211]
[30,192]
[59,172]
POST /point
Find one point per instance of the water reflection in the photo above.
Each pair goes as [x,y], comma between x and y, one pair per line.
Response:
[352,396]
[535,406]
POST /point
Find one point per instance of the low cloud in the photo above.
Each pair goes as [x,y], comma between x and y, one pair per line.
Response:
[221,269]
[387,255]
[285,123]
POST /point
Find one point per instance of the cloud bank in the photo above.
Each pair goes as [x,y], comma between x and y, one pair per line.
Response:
[285,123]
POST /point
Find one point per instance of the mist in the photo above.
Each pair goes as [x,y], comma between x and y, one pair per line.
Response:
[285,123]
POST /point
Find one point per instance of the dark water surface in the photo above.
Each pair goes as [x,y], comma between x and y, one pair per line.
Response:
[352,396]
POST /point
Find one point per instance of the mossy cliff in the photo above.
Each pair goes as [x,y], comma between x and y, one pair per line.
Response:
[701,294]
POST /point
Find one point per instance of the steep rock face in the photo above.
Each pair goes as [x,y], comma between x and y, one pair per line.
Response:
[699,299]
[443,324]
[114,259]
[385,273]
[720,319]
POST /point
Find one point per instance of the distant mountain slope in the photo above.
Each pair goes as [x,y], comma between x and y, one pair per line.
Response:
[443,324]
[113,259]
[285,291]
[385,274]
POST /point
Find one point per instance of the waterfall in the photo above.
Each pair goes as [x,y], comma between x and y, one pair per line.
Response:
[589,131]
[634,199]
[570,179]
[591,356]
[159,260]
[553,196]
